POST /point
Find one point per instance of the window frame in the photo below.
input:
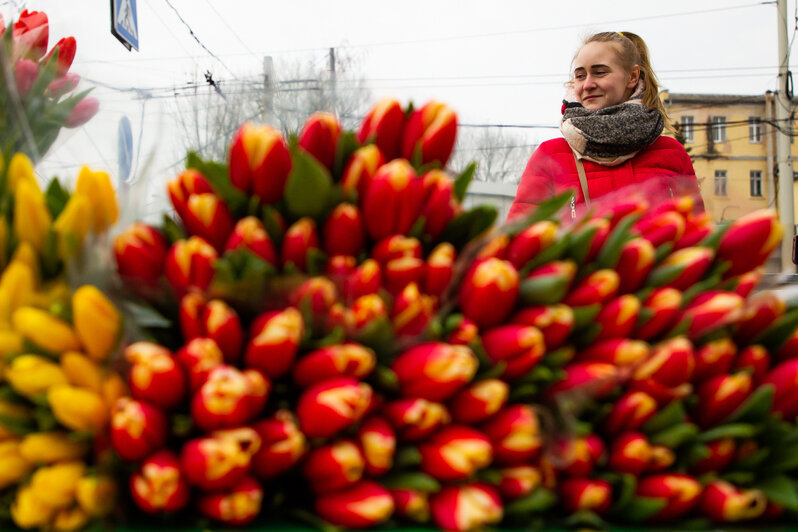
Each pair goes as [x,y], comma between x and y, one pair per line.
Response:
[754,130]
[688,128]
[718,129]
[755,182]
[721,181]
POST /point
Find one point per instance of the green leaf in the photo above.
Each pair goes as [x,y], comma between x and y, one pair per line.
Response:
[734,430]
[611,250]
[675,436]
[583,316]
[523,392]
[462,181]
[774,336]
[316,261]
[755,407]
[347,144]
[273,223]
[386,378]
[544,211]
[538,501]
[641,508]
[218,176]
[544,290]
[413,481]
[308,186]
[468,225]
[551,253]
[559,357]
[752,462]
[580,244]
[51,265]
[626,489]
[781,459]
[713,239]
[16,425]
[780,490]
[378,335]
[669,416]
[407,457]
[56,198]
[172,230]
[663,251]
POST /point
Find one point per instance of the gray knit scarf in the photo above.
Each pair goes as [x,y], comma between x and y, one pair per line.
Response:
[611,135]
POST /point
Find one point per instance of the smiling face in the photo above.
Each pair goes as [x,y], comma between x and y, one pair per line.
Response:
[600,80]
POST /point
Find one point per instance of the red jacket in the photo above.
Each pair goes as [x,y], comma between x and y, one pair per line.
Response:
[552,170]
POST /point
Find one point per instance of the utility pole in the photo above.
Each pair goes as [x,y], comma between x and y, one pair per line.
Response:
[783,155]
[332,81]
[268,88]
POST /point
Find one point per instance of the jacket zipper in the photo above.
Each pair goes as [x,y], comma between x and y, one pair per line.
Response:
[573,207]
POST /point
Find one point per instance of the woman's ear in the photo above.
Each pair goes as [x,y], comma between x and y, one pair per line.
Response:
[634,77]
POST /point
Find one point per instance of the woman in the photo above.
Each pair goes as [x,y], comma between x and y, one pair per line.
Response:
[612,123]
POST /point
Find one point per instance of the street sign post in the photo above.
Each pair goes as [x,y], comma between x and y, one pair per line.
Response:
[124,149]
[125,23]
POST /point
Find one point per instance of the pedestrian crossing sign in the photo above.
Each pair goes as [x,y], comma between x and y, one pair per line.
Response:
[124,22]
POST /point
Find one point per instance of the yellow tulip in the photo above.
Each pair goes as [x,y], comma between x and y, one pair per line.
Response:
[31,375]
[56,485]
[3,240]
[72,225]
[27,256]
[13,467]
[69,519]
[10,344]
[45,330]
[12,413]
[28,511]
[82,371]
[97,187]
[97,322]
[51,447]
[17,285]
[78,409]
[32,220]
[96,495]
[114,387]
[20,169]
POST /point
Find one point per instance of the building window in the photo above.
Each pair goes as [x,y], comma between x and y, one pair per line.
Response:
[720,182]
[718,129]
[687,128]
[756,183]
[755,129]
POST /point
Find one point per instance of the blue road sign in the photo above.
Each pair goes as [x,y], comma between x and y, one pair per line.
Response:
[125,149]
[125,22]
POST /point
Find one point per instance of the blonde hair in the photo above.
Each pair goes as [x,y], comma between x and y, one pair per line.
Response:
[632,50]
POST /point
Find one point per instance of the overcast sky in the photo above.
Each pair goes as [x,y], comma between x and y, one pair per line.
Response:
[494,62]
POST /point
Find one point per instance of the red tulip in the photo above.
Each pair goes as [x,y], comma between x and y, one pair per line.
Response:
[229,397]
[749,241]
[398,274]
[235,507]
[789,349]
[515,433]
[360,170]
[630,412]
[519,481]
[393,200]
[662,308]
[755,359]
[745,283]
[630,453]
[396,247]
[299,239]
[519,347]
[434,371]
[383,125]
[697,228]
[489,292]
[220,460]
[316,295]
[137,429]
[662,458]
[367,309]
[439,269]
[362,506]
[580,494]
[412,311]
[333,405]
[365,280]
[680,493]
[189,265]
[527,244]
[598,287]
[159,485]
[140,253]
[721,454]
[589,239]
[222,325]
[464,333]
[198,357]
[710,311]
[440,205]
[479,401]
[670,364]
[430,133]
[319,137]
[783,378]
[343,231]
[334,466]
[259,162]
[155,377]
[274,341]
[378,442]
[455,453]
[415,418]
[594,379]
[617,210]
[621,352]
[682,268]
[726,503]
[662,227]
[555,322]
[249,233]
[495,248]
[203,213]
[282,444]
[30,35]
[760,313]
[618,317]
[714,358]
[411,504]
[635,264]
[466,507]
[340,360]
[576,457]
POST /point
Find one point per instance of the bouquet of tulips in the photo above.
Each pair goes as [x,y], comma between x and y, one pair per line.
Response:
[342,336]
[56,384]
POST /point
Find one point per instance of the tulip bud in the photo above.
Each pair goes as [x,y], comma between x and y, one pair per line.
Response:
[367,309]
[96,185]
[455,453]
[341,360]
[760,312]
[587,240]
[13,466]
[222,324]
[393,200]
[755,359]
[259,162]
[282,444]
[745,283]
[726,503]
[549,283]
[299,239]
[78,409]
[221,460]
[315,295]
[319,137]
[365,280]
[31,375]
[198,357]
[55,485]
[434,371]
[378,442]
[783,378]
[580,494]
[333,405]
[630,412]
[415,418]
[249,233]
[789,349]
[598,287]
[710,311]
[155,377]
[396,247]
[274,341]
[25,73]
[439,206]
[159,485]
[439,269]
[72,225]
[206,215]
[383,125]
[576,457]
[83,111]
[635,263]
[343,231]
[697,227]
[515,434]
[411,504]
[479,401]
[680,493]
[464,333]
[682,268]
[237,506]
[399,273]
[140,253]
[430,134]
[12,414]
[334,466]
[662,458]
[189,264]
[720,455]
[621,352]
[362,506]
[555,322]
[630,453]
[411,311]
[661,227]
[518,481]
[360,170]
[137,429]
[51,447]
[229,397]
[489,292]
[670,364]
[660,309]
[28,511]
[81,371]
[96,495]
[466,507]
[97,322]
[520,347]
[749,241]
[714,358]
[617,317]
[594,379]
